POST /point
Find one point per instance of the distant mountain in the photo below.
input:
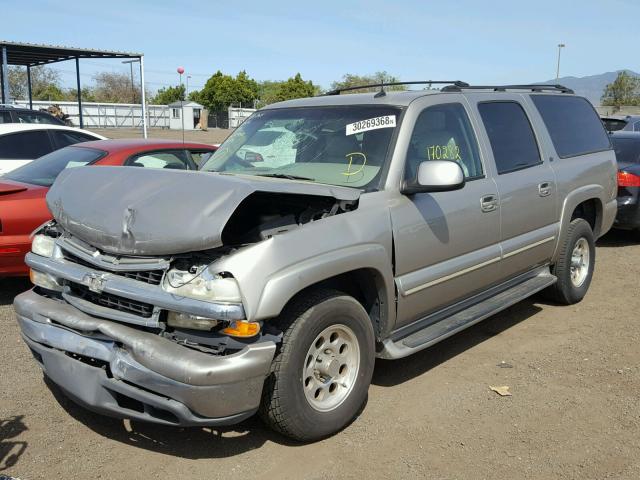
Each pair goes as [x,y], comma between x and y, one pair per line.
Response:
[592,87]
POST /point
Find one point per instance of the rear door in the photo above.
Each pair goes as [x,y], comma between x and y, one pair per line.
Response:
[17,149]
[526,184]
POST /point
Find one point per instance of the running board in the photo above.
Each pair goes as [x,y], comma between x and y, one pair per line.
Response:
[448,326]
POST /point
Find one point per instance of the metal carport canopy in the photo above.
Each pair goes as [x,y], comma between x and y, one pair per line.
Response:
[33,55]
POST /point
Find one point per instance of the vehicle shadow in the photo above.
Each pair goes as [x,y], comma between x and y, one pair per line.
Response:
[619,238]
[11,450]
[12,286]
[186,442]
[389,373]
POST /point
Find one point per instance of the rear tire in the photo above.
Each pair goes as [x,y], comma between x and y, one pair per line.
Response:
[575,264]
[321,373]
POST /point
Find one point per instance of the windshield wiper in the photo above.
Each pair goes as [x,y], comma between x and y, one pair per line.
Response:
[284,175]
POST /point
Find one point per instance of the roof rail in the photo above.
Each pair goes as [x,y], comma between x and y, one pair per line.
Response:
[452,83]
[534,87]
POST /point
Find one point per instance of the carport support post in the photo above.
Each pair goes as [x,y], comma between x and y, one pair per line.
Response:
[144,100]
[5,77]
[29,87]
[79,92]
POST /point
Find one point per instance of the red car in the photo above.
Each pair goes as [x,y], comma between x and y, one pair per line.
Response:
[23,191]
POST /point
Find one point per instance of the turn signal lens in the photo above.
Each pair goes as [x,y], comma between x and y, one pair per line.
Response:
[626,179]
[242,328]
[44,280]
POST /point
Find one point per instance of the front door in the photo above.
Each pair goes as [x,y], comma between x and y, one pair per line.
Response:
[446,243]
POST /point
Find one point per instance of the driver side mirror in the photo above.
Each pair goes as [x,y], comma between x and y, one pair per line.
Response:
[435,176]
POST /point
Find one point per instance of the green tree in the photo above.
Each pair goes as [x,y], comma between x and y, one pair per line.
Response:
[351,80]
[45,84]
[222,90]
[295,87]
[625,90]
[168,95]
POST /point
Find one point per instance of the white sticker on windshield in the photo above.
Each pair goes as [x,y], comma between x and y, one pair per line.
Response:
[387,121]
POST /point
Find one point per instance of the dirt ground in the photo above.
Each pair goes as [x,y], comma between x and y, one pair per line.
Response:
[575,411]
[211,136]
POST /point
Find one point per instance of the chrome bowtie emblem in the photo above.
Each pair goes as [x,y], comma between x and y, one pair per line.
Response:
[95,282]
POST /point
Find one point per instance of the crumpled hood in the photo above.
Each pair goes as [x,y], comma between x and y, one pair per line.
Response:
[139,211]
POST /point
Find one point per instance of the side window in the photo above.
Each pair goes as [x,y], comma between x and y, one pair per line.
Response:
[511,136]
[33,117]
[25,145]
[636,127]
[170,159]
[64,138]
[573,124]
[199,157]
[444,132]
[5,117]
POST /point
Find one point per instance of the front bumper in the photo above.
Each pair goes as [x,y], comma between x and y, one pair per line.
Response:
[628,216]
[124,372]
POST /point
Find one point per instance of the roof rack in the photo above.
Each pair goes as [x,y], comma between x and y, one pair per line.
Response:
[452,83]
[534,87]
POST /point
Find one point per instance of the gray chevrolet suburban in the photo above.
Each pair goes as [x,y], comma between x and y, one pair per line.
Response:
[325,232]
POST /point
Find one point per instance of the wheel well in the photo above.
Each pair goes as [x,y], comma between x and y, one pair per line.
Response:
[365,285]
[591,211]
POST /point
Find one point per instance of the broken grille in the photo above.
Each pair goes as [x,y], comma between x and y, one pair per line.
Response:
[152,277]
[114,302]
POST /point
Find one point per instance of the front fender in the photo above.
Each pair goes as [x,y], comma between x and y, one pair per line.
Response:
[283,285]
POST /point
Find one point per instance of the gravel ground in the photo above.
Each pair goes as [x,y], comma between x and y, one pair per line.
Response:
[575,412]
[213,135]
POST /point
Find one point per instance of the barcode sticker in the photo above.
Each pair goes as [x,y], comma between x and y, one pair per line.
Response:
[388,121]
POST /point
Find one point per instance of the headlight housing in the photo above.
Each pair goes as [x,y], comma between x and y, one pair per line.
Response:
[202,286]
[43,245]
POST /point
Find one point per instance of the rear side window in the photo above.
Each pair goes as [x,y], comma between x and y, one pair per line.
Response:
[63,138]
[573,125]
[512,140]
[5,117]
[25,145]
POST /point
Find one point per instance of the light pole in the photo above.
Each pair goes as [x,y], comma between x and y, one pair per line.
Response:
[560,47]
[180,71]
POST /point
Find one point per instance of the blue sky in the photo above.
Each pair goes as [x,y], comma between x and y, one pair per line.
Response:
[476,41]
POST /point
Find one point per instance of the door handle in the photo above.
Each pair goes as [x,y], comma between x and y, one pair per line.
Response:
[544,189]
[489,203]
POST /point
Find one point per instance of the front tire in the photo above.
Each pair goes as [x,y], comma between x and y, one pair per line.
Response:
[575,264]
[321,373]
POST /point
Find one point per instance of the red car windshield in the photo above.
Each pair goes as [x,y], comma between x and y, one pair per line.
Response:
[44,170]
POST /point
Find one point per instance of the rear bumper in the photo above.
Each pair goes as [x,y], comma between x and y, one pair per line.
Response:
[628,216]
[124,372]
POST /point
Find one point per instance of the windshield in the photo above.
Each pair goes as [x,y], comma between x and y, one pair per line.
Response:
[627,149]
[613,124]
[344,146]
[46,169]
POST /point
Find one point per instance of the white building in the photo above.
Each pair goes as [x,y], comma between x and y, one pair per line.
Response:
[192,111]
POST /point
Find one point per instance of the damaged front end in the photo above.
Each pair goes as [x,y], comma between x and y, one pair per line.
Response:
[134,321]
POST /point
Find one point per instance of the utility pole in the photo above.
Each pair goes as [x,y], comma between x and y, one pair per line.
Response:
[186,94]
[560,47]
[133,92]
